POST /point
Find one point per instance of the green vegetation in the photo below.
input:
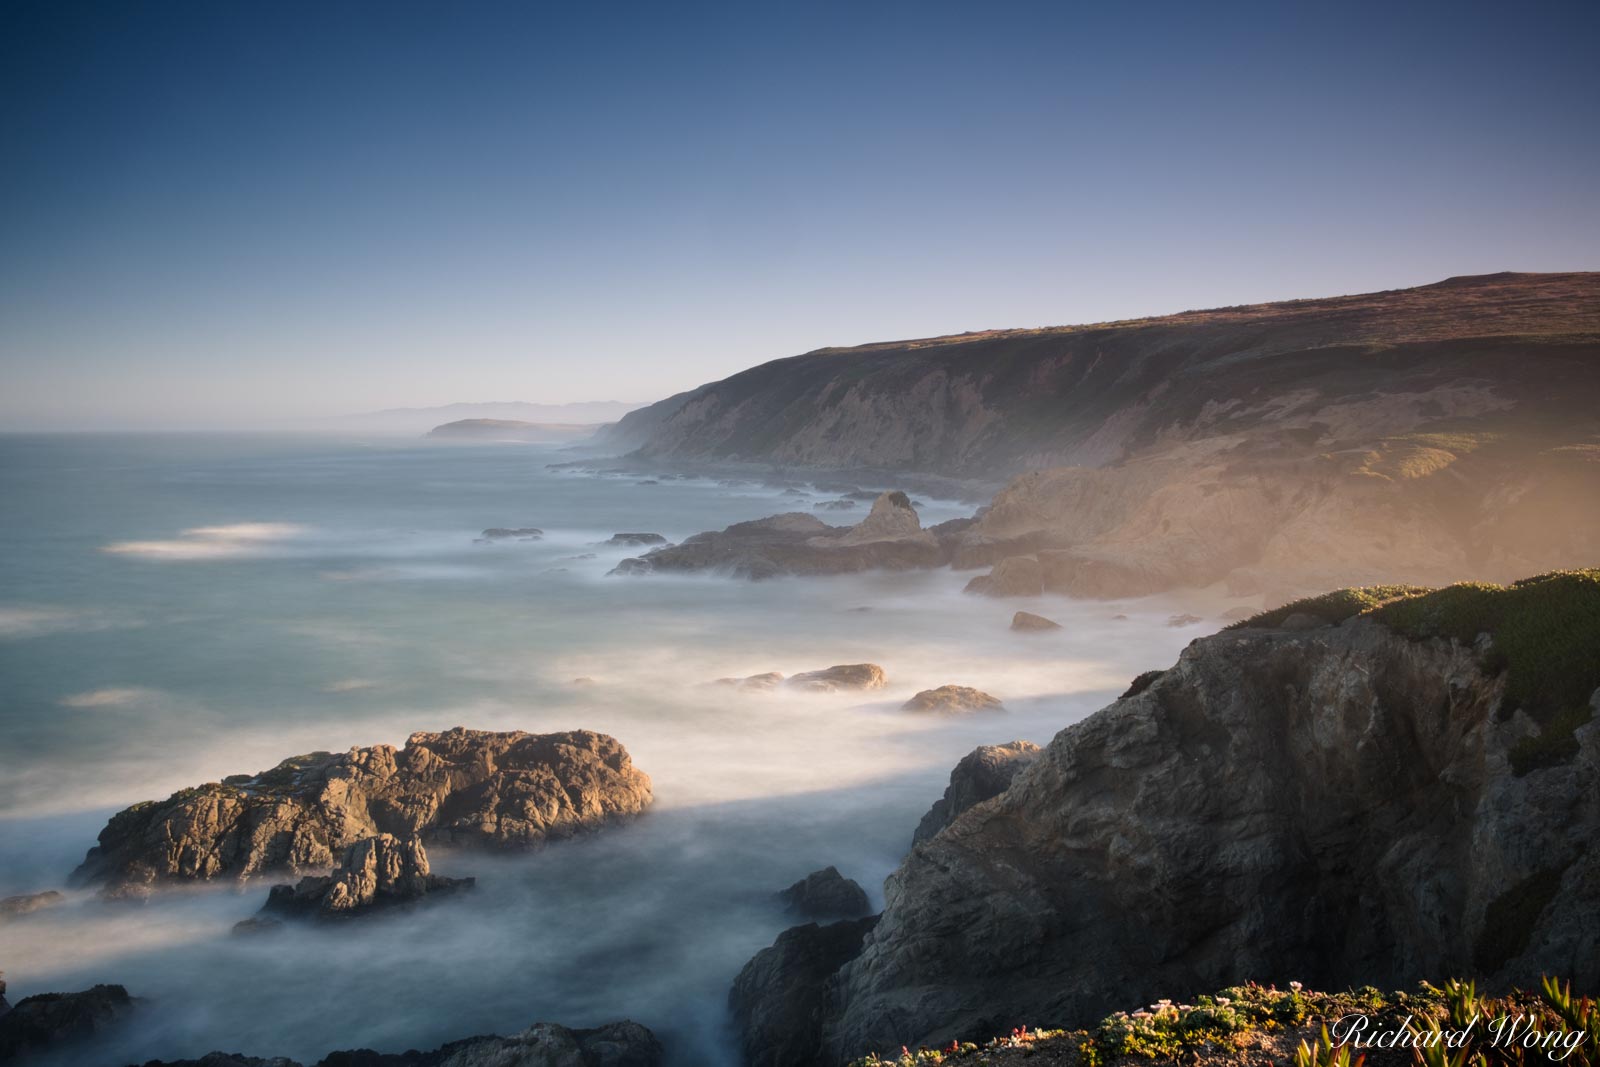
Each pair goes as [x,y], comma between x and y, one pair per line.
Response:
[1334,607]
[1141,683]
[1543,1029]
[1545,633]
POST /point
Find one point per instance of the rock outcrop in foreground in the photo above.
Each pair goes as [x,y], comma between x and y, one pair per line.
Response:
[778,998]
[376,872]
[623,1044]
[1383,799]
[460,787]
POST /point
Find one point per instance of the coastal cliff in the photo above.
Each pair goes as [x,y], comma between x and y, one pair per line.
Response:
[1377,786]
[1004,401]
[1435,433]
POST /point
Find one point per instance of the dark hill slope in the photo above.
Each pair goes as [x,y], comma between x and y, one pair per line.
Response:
[1004,401]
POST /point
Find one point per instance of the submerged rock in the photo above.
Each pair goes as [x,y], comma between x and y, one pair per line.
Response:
[754,682]
[952,698]
[1184,620]
[825,894]
[376,872]
[635,539]
[620,1044]
[778,1000]
[464,787]
[842,676]
[983,773]
[47,1020]
[1029,622]
[12,907]
[521,533]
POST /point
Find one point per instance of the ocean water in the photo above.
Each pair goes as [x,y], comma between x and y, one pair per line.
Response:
[174,609]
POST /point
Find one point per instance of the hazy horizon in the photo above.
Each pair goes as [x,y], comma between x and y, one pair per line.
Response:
[226,218]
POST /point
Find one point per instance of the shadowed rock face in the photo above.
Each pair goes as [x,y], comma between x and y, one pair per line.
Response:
[40,1022]
[826,894]
[778,999]
[622,1044]
[1231,821]
[983,773]
[466,787]
[375,872]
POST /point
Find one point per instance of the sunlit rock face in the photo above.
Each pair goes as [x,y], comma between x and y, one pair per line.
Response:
[465,787]
[376,872]
[1336,805]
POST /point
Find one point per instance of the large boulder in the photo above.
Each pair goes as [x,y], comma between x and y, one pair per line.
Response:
[778,1001]
[983,773]
[843,676]
[825,894]
[1028,622]
[1229,821]
[375,872]
[952,699]
[462,787]
[46,1020]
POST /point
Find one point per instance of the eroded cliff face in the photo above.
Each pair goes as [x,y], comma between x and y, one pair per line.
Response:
[1334,805]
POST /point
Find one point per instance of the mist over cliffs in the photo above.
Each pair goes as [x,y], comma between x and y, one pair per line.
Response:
[1434,433]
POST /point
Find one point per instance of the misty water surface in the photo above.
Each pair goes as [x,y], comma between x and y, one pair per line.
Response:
[176,609]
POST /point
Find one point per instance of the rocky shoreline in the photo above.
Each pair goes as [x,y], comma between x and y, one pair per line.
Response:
[1215,824]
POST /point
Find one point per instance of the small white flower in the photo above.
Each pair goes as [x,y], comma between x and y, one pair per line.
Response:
[1223,1002]
[1296,986]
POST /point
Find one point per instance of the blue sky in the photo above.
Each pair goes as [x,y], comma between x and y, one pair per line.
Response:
[225,214]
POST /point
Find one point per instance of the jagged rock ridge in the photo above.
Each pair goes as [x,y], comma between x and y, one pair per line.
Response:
[468,787]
